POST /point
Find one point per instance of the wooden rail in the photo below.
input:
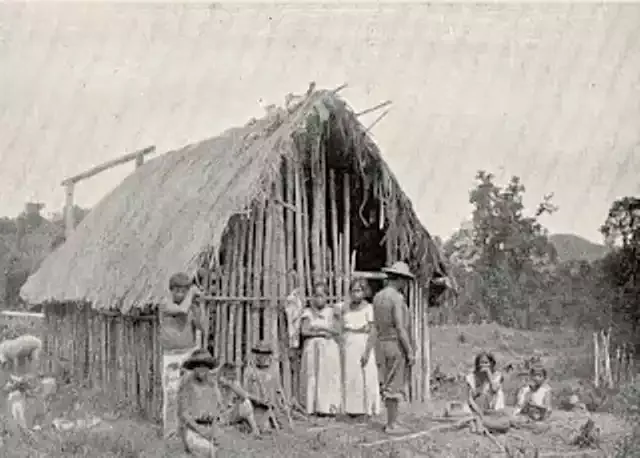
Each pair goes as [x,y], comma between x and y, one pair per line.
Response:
[21,314]
[138,156]
[69,183]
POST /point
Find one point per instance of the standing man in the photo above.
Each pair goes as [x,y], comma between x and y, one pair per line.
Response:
[179,320]
[396,355]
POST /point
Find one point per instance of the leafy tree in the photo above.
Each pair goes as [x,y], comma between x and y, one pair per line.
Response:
[504,250]
[24,243]
[621,267]
[622,226]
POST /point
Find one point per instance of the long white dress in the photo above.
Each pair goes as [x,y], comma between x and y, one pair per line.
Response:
[320,369]
[361,387]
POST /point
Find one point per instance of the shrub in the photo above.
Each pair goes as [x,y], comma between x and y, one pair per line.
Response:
[627,405]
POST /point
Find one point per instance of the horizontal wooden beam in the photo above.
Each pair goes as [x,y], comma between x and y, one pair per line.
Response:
[16,314]
[110,164]
[370,275]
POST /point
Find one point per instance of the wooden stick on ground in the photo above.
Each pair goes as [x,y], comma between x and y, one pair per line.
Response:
[426,432]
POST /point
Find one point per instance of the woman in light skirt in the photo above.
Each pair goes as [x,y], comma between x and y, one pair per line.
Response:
[361,387]
[320,365]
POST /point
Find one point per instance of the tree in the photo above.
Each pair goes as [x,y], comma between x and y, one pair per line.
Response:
[622,226]
[24,243]
[507,248]
[621,267]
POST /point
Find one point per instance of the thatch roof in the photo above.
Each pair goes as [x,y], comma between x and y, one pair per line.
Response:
[174,207]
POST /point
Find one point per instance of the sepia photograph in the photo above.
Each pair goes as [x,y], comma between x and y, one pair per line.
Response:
[316,230]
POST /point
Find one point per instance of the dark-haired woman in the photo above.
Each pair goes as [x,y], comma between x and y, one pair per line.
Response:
[320,369]
[361,386]
[484,385]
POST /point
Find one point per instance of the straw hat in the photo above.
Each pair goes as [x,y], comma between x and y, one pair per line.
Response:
[400,269]
[200,358]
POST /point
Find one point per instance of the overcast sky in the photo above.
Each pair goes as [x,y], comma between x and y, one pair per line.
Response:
[547,92]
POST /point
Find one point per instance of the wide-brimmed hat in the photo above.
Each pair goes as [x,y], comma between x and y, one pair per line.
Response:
[400,269]
[200,358]
[262,348]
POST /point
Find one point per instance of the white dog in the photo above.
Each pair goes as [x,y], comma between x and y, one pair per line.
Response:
[21,353]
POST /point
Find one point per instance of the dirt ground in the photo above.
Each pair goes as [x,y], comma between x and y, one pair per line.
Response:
[120,435]
[124,437]
[331,438]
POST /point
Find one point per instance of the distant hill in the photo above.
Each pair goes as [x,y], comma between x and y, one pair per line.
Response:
[571,247]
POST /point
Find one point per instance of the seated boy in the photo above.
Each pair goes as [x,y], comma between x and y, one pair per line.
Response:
[534,399]
[201,409]
[263,387]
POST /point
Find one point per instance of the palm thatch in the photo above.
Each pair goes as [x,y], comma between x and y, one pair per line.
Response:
[177,206]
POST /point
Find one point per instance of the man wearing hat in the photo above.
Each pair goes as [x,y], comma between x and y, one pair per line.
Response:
[395,352]
[179,320]
[201,407]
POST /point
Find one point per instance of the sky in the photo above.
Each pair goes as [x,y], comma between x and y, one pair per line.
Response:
[550,93]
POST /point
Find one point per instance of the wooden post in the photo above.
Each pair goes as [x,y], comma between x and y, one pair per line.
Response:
[69,217]
[596,360]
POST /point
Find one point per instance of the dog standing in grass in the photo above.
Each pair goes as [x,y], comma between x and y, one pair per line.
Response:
[21,355]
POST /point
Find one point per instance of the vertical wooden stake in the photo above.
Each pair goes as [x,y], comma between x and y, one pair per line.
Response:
[346,231]
[69,217]
[596,360]
[299,236]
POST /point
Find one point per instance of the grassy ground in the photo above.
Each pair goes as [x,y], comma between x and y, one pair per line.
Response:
[121,435]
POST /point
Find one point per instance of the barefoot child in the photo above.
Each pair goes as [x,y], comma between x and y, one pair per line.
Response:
[485,394]
[534,399]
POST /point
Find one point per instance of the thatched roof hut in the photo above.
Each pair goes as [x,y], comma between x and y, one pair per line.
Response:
[177,206]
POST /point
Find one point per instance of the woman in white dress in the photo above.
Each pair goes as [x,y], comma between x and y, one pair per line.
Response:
[361,388]
[320,368]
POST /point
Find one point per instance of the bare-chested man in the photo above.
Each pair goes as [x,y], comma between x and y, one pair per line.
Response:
[396,354]
[201,408]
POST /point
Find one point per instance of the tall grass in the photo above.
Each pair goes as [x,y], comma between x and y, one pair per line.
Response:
[627,405]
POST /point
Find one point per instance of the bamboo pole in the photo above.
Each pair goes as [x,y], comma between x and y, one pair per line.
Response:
[270,328]
[426,352]
[322,210]
[223,307]
[316,225]
[333,198]
[283,265]
[232,263]
[258,268]
[299,230]
[290,216]
[346,230]
[306,236]
[596,360]
[249,280]
[240,307]
[413,313]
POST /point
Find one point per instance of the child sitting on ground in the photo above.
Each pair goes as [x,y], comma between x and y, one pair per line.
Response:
[263,389]
[534,399]
[486,395]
